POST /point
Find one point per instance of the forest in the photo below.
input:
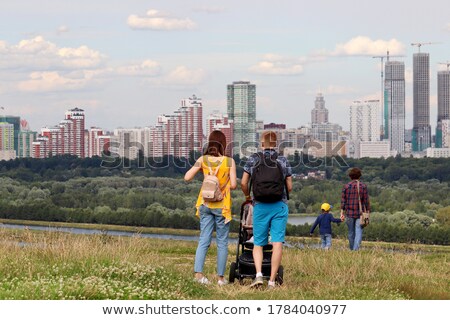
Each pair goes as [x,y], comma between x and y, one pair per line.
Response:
[409,197]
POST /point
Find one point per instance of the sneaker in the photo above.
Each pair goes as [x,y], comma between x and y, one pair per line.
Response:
[257,282]
[202,280]
[271,285]
[222,282]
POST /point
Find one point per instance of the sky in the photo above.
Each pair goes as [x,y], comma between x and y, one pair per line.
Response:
[126,62]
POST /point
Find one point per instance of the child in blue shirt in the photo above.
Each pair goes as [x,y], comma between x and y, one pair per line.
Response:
[324,222]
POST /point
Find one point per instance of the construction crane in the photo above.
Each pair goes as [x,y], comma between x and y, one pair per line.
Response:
[387,56]
[445,64]
[419,44]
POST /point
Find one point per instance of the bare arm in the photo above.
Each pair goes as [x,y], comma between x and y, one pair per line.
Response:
[289,183]
[193,171]
[233,182]
[244,184]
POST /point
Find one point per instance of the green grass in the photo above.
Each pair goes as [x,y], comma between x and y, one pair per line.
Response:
[56,265]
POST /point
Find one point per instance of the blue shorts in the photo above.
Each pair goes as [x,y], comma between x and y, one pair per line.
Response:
[269,216]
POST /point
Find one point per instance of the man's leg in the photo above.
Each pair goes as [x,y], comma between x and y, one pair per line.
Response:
[258,257]
[358,235]
[277,252]
[260,239]
[277,232]
[351,231]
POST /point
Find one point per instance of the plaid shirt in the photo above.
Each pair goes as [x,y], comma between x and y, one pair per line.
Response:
[349,199]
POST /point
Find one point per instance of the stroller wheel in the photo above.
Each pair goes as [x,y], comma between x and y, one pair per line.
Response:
[279,277]
[232,272]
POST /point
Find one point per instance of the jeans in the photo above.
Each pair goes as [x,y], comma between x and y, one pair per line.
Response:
[354,233]
[326,241]
[209,218]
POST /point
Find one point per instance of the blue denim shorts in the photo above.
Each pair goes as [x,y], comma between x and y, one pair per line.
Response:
[269,217]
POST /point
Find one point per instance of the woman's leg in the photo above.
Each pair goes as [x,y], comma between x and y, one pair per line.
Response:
[206,230]
[222,230]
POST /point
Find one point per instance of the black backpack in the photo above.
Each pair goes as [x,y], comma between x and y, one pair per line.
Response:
[267,179]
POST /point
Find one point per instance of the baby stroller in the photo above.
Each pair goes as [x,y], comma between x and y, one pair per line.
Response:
[244,266]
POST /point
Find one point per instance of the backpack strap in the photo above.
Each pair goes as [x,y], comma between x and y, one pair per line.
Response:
[217,168]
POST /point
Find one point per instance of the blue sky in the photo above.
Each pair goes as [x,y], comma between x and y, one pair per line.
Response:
[125,62]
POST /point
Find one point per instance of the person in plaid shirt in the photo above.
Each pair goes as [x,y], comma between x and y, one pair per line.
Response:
[350,207]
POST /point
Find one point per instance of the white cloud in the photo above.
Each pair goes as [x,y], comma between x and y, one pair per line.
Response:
[148,68]
[38,54]
[51,81]
[447,27]
[182,76]
[155,20]
[277,65]
[364,46]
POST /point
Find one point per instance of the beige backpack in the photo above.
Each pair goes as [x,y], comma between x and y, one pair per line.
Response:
[211,191]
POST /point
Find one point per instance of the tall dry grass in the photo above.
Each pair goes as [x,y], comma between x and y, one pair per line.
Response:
[54,265]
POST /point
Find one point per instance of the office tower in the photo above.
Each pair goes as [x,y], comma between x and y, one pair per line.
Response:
[219,121]
[241,106]
[319,113]
[365,120]
[76,141]
[443,105]
[394,104]
[421,138]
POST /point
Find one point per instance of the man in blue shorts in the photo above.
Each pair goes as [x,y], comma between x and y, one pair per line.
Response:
[270,178]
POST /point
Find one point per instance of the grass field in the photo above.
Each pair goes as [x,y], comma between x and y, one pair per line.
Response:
[55,265]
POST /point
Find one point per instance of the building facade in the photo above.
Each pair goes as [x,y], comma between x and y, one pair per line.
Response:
[365,120]
[25,145]
[7,151]
[421,134]
[241,106]
[218,121]
[394,104]
[319,113]
[443,105]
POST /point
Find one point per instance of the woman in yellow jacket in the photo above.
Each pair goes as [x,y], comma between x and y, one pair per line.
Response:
[218,213]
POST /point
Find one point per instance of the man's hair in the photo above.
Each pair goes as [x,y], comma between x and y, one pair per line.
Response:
[354,173]
[217,143]
[269,139]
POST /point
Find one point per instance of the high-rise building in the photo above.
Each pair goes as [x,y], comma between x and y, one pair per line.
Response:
[26,139]
[394,105]
[40,148]
[445,133]
[241,106]
[15,121]
[55,140]
[7,151]
[365,120]
[421,134]
[77,117]
[94,133]
[218,121]
[319,113]
[443,105]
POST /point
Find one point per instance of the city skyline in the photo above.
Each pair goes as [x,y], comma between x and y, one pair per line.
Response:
[107,57]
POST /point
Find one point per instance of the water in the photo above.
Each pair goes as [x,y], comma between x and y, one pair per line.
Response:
[98,231]
[299,220]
